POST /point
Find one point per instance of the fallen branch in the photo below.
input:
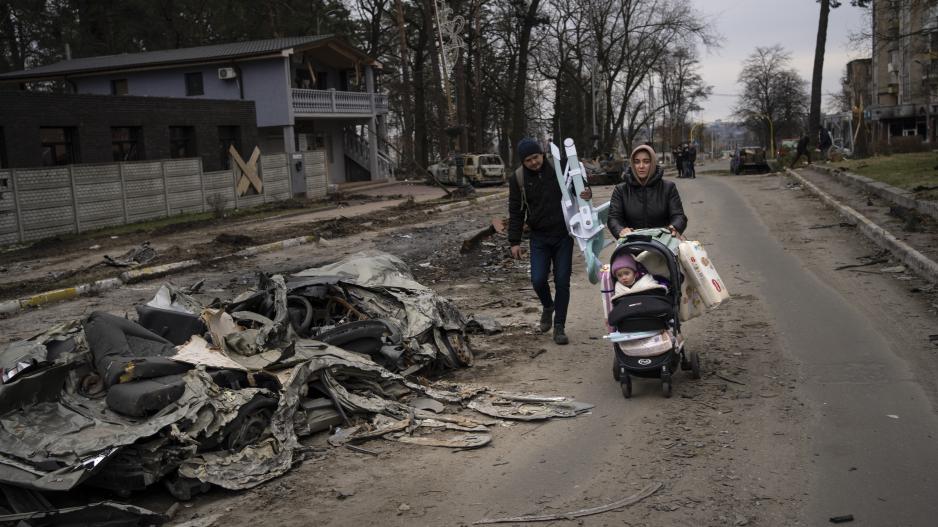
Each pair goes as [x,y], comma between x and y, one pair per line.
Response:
[626,502]
[361,450]
[730,379]
[851,266]
[830,225]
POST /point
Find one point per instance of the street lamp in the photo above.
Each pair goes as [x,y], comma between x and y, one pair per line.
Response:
[690,136]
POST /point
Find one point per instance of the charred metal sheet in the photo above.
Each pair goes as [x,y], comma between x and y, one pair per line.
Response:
[445,439]
[534,409]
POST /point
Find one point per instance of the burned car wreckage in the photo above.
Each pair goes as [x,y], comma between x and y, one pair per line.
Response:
[194,395]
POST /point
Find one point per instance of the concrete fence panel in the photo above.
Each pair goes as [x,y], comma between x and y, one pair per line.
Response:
[99,196]
[276,177]
[219,190]
[9,226]
[42,202]
[314,165]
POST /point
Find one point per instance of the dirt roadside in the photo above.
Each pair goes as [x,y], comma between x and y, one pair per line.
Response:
[55,263]
[727,448]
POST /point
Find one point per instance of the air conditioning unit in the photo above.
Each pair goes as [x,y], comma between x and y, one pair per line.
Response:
[227,73]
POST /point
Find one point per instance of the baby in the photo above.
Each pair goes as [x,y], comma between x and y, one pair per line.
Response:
[631,277]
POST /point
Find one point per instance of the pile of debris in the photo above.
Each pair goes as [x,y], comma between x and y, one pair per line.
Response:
[195,395]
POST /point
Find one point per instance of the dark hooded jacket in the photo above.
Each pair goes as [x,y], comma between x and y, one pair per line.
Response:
[656,204]
[542,212]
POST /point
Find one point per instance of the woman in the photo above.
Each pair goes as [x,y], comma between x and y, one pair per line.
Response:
[645,200]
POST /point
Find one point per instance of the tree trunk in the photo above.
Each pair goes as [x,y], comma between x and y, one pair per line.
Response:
[478,124]
[814,115]
[407,109]
[518,118]
[421,137]
[441,97]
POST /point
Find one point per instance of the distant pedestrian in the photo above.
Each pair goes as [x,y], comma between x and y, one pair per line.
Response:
[678,153]
[534,198]
[690,158]
[824,142]
[801,150]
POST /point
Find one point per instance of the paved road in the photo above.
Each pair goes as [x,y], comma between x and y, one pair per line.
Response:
[872,441]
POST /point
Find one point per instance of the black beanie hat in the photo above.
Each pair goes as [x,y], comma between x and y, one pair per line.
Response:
[528,146]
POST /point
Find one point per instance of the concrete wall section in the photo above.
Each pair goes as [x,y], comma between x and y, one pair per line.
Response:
[38,203]
[267,83]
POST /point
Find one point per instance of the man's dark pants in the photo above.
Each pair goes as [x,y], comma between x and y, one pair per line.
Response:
[557,252]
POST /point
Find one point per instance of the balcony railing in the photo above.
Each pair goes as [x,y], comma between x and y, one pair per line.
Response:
[338,102]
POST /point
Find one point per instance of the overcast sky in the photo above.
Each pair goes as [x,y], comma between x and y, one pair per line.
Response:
[746,24]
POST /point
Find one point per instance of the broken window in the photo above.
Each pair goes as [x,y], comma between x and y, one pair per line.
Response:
[228,136]
[59,145]
[126,144]
[181,141]
[119,87]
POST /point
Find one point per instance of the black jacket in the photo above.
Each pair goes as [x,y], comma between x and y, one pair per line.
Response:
[543,212]
[656,204]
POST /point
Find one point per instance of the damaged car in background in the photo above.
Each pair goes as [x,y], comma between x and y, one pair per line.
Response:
[191,395]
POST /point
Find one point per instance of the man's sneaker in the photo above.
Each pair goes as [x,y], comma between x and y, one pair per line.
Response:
[559,336]
[547,317]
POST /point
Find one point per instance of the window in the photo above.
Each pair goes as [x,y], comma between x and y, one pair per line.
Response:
[194,84]
[343,80]
[119,87]
[58,146]
[181,141]
[322,80]
[228,136]
[126,144]
[3,151]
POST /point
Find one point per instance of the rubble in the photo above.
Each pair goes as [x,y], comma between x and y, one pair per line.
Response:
[195,395]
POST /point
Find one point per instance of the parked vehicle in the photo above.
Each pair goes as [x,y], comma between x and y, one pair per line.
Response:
[749,158]
[478,170]
[482,169]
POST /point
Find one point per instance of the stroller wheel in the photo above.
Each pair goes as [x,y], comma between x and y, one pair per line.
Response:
[694,365]
[665,381]
[626,385]
[685,362]
[615,369]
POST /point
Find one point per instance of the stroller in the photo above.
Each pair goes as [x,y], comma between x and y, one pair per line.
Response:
[645,328]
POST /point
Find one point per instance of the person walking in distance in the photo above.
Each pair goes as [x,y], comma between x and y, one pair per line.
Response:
[534,197]
[801,149]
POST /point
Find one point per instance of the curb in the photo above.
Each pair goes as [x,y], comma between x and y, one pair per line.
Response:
[895,195]
[11,307]
[880,236]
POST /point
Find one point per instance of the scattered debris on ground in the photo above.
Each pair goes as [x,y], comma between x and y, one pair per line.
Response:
[192,395]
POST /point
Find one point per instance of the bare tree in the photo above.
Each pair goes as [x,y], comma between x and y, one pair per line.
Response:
[773,94]
[682,89]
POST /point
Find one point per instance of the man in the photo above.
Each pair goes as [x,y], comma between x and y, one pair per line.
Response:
[538,203]
[801,149]
[690,158]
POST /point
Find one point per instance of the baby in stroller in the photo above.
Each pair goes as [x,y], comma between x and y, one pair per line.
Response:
[632,277]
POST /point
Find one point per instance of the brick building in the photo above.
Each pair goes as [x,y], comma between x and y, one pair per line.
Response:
[46,129]
[904,70]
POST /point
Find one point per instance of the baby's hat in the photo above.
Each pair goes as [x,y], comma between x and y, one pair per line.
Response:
[624,260]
